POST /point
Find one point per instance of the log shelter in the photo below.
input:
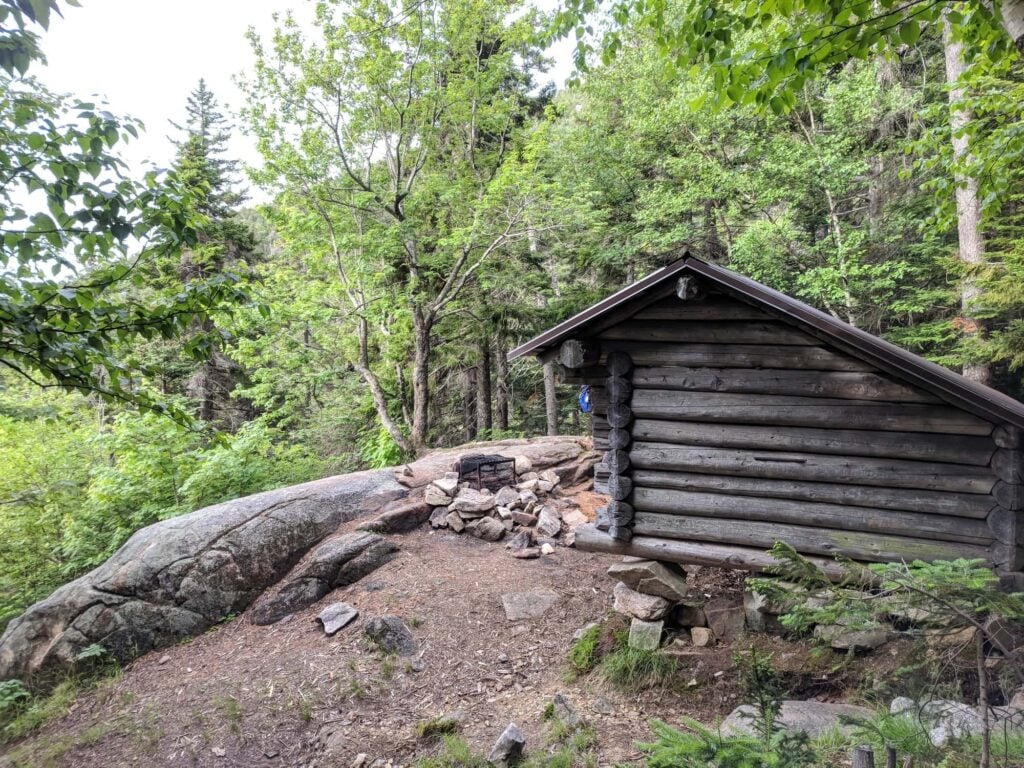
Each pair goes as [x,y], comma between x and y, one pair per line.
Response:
[732,416]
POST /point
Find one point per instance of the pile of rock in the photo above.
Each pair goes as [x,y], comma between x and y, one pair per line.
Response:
[530,513]
[651,594]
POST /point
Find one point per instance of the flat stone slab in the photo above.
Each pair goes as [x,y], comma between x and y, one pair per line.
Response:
[637,605]
[645,635]
[811,717]
[528,605]
[337,615]
[651,578]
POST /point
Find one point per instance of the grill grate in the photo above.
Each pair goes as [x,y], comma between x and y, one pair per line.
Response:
[490,471]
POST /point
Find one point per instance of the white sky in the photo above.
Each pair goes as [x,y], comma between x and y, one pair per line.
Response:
[143,57]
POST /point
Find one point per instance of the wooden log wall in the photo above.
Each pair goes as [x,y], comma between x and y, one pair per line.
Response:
[735,430]
[617,517]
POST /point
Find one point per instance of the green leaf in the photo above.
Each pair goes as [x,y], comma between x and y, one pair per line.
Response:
[910,32]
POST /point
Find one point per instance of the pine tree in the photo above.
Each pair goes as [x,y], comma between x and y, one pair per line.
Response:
[225,244]
[200,160]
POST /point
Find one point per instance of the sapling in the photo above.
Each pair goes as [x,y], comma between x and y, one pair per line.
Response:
[957,595]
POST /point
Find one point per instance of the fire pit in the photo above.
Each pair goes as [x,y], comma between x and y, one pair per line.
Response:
[482,471]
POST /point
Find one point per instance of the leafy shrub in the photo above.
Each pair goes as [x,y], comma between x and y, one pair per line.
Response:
[13,696]
[378,449]
[700,747]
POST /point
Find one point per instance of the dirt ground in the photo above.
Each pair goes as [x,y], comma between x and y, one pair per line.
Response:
[287,695]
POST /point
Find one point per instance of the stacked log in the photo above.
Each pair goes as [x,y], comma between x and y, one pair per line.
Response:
[1008,466]
[617,517]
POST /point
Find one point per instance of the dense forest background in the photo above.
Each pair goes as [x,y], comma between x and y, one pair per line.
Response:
[434,201]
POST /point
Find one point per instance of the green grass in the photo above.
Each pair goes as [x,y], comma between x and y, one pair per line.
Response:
[437,727]
[910,738]
[39,711]
[49,753]
[583,654]
[388,666]
[232,711]
[633,670]
[454,753]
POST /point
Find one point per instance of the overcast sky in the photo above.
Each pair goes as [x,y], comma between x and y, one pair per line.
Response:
[145,56]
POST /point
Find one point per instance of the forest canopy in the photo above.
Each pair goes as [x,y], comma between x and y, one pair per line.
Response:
[434,199]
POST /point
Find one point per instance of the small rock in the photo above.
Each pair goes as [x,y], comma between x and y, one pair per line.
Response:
[508,525]
[509,748]
[219,751]
[164,659]
[725,617]
[573,517]
[529,476]
[544,486]
[526,553]
[602,706]
[523,465]
[528,605]
[1017,702]
[337,615]
[390,634]
[455,522]
[549,522]
[566,712]
[449,484]
[961,640]
[507,497]
[549,476]
[528,486]
[583,630]
[651,578]
[360,760]
[700,637]
[645,635]
[522,518]
[845,639]
[486,528]
[435,497]
[947,720]
[547,549]
[471,501]
[504,513]
[439,518]
[638,606]
[521,540]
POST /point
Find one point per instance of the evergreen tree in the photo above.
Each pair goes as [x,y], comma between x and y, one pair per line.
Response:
[224,244]
[201,161]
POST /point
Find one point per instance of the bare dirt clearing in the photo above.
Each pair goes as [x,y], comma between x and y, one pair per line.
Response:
[286,694]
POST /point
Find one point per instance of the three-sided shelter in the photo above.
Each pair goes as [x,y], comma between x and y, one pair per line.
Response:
[732,416]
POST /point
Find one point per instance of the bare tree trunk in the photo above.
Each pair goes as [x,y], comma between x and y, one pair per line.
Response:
[501,383]
[420,381]
[1013,21]
[885,78]
[713,250]
[986,728]
[550,398]
[968,205]
[484,421]
[380,402]
[469,395]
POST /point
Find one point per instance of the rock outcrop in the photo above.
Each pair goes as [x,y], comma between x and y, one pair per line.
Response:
[178,577]
[337,562]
